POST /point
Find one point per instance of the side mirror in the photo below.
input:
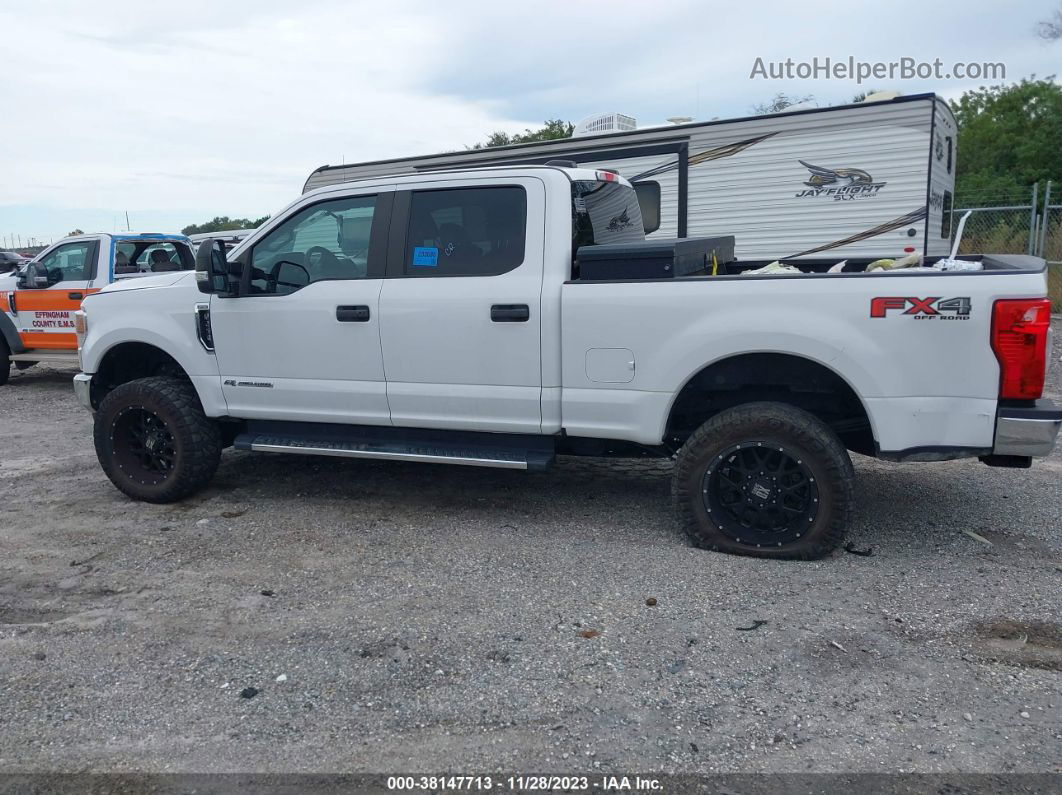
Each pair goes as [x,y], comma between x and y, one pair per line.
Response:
[212,268]
[33,277]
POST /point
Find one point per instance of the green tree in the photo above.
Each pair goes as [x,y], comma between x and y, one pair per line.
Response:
[222,223]
[1008,137]
[552,130]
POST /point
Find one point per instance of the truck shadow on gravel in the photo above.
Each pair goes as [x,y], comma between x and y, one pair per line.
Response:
[578,497]
[336,478]
[917,507]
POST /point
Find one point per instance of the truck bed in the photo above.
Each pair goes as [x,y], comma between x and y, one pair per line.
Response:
[928,378]
[1014,263]
[991,263]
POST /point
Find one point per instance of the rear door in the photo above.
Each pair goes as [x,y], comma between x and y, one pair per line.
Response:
[460,309]
[44,316]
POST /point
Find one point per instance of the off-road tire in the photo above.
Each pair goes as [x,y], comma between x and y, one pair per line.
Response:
[5,362]
[194,440]
[814,446]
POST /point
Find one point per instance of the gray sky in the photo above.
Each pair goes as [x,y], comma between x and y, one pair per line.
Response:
[178,112]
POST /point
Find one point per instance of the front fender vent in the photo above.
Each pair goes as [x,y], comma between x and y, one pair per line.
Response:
[203,329]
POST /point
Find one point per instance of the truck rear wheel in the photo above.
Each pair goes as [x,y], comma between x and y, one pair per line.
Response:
[153,440]
[764,479]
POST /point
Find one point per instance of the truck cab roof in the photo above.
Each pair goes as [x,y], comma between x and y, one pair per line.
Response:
[575,174]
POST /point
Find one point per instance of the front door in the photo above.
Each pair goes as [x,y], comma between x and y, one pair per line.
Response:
[44,316]
[302,340]
[460,313]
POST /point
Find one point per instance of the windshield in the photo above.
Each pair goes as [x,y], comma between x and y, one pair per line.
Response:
[604,212]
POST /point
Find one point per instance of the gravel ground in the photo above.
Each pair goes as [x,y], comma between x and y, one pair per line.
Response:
[398,618]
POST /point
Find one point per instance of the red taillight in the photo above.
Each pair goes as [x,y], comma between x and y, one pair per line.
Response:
[1019,339]
[606,176]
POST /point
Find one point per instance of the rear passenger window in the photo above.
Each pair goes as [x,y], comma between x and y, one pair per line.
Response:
[159,258]
[144,257]
[466,231]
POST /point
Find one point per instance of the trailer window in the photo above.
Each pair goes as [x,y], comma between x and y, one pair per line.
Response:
[605,212]
[649,203]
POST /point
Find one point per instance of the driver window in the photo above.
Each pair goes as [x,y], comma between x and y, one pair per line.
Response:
[328,240]
[71,262]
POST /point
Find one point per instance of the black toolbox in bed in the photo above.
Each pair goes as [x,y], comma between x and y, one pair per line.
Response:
[654,259]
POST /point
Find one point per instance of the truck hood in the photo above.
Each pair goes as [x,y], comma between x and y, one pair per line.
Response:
[146,282]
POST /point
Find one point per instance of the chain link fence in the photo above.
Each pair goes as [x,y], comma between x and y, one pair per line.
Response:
[1000,230]
[1051,249]
[1003,226]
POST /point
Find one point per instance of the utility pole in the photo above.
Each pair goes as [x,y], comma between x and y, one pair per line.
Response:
[127,227]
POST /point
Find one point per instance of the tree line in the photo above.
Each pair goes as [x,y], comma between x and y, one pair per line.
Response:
[222,223]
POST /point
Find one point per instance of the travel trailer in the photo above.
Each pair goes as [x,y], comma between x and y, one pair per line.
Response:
[871,179]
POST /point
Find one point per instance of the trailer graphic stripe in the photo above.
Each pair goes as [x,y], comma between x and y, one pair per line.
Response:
[702,157]
[904,220]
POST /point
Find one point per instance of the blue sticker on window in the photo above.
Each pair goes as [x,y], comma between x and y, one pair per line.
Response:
[425,257]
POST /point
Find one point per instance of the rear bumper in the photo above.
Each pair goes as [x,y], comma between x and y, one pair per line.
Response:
[83,389]
[1030,431]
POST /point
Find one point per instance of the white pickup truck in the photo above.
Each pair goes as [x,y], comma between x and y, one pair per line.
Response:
[454,317]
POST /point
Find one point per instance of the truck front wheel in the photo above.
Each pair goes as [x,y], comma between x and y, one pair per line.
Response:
[764,479]
[153,440]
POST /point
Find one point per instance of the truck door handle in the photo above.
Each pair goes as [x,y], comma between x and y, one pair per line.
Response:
[75,296]
[510,313]
[352,314]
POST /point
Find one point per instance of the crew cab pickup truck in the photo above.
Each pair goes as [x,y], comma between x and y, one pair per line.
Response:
[447,317]
[37,302]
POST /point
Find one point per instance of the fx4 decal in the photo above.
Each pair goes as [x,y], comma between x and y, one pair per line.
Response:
[921,308]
